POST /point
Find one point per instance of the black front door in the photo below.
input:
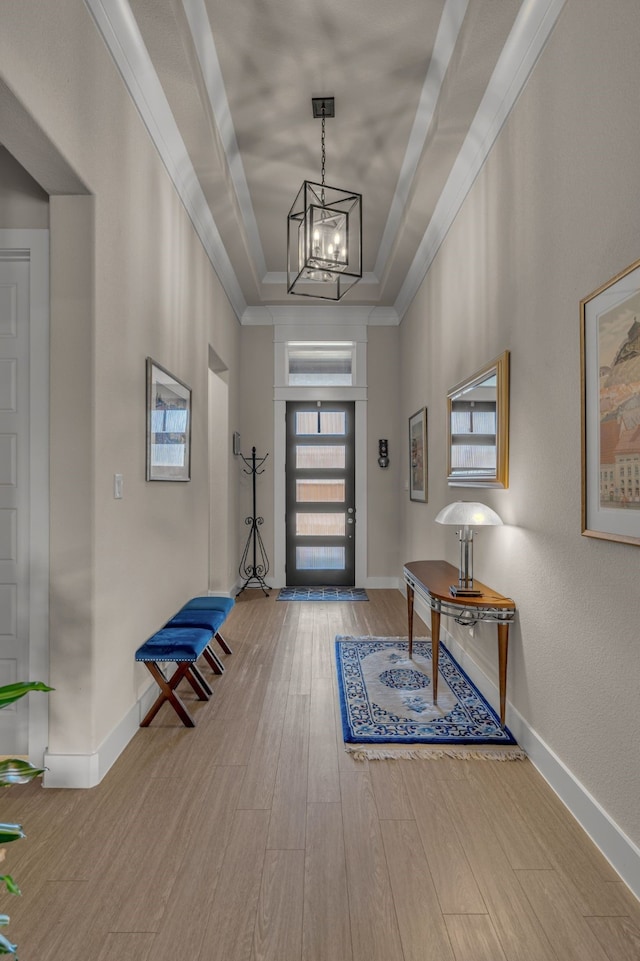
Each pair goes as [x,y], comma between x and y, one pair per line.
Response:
[320,478]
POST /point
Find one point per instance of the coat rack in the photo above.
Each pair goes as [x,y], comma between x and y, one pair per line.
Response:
[258,570]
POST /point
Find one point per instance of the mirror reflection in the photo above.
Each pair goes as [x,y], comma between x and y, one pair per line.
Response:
[478,412]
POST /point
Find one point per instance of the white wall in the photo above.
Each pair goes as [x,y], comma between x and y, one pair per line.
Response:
[23,203]
[385,494]
[256,430]
[129,280]
[554,213]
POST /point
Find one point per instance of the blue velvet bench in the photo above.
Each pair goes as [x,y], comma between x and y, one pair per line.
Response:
[182,641]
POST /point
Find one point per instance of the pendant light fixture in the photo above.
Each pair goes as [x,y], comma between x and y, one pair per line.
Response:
[324,232]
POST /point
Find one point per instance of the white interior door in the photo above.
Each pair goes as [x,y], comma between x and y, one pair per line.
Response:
[14,497]
[24,482]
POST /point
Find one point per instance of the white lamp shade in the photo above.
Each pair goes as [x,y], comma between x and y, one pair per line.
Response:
[468,513]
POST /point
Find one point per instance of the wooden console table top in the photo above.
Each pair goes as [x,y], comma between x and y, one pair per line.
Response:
[436,577]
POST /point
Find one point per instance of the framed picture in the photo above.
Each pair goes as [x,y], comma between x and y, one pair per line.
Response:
[168,425]
[418,473]
[610,382]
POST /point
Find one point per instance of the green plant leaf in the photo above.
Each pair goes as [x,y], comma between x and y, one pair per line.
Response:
[16,771]
[10,832]
[9,884]
[6,947]
[13,692]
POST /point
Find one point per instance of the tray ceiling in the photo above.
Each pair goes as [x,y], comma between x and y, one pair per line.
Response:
[421,87]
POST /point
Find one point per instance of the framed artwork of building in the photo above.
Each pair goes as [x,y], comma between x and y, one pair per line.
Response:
[610,384]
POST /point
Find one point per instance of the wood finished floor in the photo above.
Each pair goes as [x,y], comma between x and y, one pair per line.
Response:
[254,837]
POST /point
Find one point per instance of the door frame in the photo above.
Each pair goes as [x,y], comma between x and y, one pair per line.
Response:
[33,245]
[357,394]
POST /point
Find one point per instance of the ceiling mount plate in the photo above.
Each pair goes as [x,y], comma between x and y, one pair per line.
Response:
[328,103]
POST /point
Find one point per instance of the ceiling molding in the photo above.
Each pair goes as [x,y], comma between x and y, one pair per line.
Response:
[383,317]
[321,316]
[257,317]
[451,21]
[120,32]
[531,30]
[207,55]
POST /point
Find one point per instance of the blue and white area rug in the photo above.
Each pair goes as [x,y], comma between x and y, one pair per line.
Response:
[386,703]
[322,594]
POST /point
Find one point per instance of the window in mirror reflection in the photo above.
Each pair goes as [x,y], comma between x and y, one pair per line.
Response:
[478,428]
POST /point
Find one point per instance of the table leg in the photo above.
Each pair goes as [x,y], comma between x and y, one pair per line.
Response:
[503,645]
[410,599]
[435,651]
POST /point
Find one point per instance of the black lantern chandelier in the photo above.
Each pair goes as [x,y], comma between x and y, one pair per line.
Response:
[324,232]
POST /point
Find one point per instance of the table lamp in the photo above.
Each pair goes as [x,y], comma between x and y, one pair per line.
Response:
[464,514]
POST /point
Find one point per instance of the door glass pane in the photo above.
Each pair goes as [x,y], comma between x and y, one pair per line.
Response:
[312,491]
[473,421]
[320,558]
[333,422]
[473,457]
[321,422]
[306,422]
[320,525]
[314,458]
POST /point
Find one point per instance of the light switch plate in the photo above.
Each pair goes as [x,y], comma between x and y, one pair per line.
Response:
[117,486]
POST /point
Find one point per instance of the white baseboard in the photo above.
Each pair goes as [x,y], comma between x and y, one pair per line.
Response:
[621,852]
[70,770]
[87,770]
[381,583]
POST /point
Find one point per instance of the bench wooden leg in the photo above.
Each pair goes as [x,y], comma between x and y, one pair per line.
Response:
[223,644]
[167,693]
[198,683]
[213,660]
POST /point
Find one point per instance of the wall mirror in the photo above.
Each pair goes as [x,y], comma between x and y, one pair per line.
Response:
[478,428]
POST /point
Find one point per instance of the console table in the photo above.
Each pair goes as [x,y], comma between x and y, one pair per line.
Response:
[431,581]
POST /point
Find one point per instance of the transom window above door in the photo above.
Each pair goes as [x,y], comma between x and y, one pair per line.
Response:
[316,364]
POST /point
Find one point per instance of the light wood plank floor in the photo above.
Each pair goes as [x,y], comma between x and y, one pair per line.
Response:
[254,837]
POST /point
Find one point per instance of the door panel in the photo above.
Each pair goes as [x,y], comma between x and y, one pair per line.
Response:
[320,482]
[14,497]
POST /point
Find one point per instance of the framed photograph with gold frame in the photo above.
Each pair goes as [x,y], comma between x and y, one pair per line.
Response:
[418,460]
[610,388]
[168,425]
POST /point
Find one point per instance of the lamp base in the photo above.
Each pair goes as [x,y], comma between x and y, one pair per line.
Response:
[456,591]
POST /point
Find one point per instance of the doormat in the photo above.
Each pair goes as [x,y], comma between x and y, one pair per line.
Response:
[386,702]
[322,594]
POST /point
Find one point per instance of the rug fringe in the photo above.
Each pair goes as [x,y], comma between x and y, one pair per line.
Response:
[461,753]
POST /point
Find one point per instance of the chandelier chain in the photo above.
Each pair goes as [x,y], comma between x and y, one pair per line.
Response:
[324,152]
